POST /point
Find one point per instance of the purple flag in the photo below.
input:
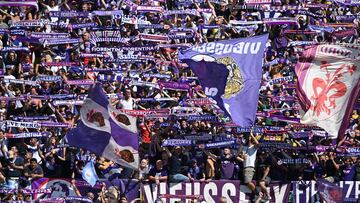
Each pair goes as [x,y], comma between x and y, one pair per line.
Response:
[330,192]
[234,84]
[106,131]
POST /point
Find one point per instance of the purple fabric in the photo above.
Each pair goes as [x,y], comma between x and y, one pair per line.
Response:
[129,187]
[239,54]
[98,137]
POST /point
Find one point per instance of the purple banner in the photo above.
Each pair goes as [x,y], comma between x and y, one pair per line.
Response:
[174,85]
[129,188]
[238,75]
[306,191]
[232,190]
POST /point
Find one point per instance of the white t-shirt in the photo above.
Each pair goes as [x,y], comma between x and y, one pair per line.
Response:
[251,156]
[55,8]
[127,104]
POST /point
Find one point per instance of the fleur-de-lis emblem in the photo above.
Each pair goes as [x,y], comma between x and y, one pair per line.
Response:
[327,91]
[94,116]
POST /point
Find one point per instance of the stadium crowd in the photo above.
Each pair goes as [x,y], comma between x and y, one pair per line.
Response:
[46,76]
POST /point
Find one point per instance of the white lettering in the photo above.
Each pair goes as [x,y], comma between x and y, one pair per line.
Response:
[357,191]
[255,48]
[173,188]
[150,198]
[163,187]
[246,48]
[279,193]
[188,188]
[210,47]
[297,192]
[211,91]
[196,188]
[219,49]
[238,48]
[201,48]
[351,185]
[313,191]
[207,196]
[224,192]
[227,48]
[307,192]
[242,195]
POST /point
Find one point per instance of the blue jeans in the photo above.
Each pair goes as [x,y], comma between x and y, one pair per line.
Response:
[12,184]
[178,178]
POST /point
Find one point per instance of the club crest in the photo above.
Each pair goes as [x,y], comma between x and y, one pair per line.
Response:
[235,81]
[95,117]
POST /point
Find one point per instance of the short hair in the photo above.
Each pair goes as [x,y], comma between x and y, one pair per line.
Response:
[223,200]
[33,159]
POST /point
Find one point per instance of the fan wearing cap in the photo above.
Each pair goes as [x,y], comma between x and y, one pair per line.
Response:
[55,69]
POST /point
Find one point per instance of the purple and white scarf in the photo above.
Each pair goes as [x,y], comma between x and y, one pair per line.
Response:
[26,135]
[121,48]
[201,101]
[80,82]
[157,75]
[193,12]
[49,78]
[220,144]
[174,85]
[61,63]
[293,161]
[95,40]
[21,98]
[91,55]
[15,3]
[55,124]
[202,118]
[61,41]
[28,23]
[347,18]
[146,84]
[154,38]
[26,191]
[106,13]
[198,137]
[32,118]
[344,33]
[151,26]
[49,35]
[127,58]
[68,103]
[24,82]
[20,124]
[69,14]
[177,142]
[15,49]
[280,21]
[284,99]
[280,80]
[144,9]
[157,99]
[82,25]
[179,46]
